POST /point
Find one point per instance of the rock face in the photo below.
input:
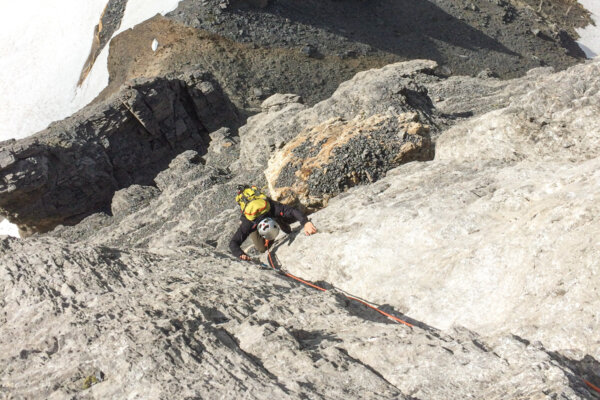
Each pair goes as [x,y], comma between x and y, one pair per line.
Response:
[489,250]
[73,168]
[264,132]
[81,321]
[196,205]
[131,199]
[464,37]
[247,72]
[497,233]
[372,123]
[336,155]
[256,48]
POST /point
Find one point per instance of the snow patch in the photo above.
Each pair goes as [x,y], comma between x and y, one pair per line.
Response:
[43,47]
[136,12]
[589,37]
[6,228]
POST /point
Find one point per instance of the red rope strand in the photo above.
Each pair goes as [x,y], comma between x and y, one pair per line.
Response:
[324,290]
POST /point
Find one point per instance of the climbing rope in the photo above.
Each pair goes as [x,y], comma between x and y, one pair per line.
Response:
[324,290]
[592,386]
[588,383]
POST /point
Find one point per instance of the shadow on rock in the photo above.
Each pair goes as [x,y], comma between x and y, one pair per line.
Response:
[72,169]
[586,372]
[408,28]
[350,302]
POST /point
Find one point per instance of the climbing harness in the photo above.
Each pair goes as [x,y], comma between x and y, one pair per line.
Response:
[398,320]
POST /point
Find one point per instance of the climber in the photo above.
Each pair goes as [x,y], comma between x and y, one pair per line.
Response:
[261,219]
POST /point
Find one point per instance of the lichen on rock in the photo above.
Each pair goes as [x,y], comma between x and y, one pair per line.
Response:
[327,159]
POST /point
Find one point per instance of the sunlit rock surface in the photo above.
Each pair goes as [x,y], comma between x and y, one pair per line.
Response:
[96,322]
[490,251]
[499,233]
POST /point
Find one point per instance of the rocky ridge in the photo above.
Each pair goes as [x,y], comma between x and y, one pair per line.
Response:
[527,324]
[509,37]
[72,169]
[488,249]
[256,49]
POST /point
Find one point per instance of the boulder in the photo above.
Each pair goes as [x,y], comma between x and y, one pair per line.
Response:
[327,159]
[268,130]
[277,101]
[397,90]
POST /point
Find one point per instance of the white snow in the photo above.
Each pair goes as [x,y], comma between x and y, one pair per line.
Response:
[43,47]
[137,11]
[140,10]
[6,228]
[154,45]
[589,39]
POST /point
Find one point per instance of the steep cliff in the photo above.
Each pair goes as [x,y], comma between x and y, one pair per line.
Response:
[72,169]
[498,233]
[466,206]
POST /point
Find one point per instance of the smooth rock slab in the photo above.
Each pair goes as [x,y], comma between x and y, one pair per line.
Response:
[499,233]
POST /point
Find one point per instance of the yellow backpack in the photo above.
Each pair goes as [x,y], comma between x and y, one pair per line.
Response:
[252,201]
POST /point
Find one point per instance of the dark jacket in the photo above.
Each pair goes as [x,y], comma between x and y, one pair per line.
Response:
[277,211]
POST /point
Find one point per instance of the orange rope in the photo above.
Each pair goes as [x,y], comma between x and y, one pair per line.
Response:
[588,383]
[295,277]
[596,388]
[324,290]
[379,311]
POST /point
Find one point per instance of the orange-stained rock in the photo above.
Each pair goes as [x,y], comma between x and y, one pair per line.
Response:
[327,159]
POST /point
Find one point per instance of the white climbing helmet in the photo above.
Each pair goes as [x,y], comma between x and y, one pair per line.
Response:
[268,229]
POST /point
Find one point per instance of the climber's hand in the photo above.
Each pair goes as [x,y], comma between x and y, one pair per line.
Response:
[245,257]
[309,228]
